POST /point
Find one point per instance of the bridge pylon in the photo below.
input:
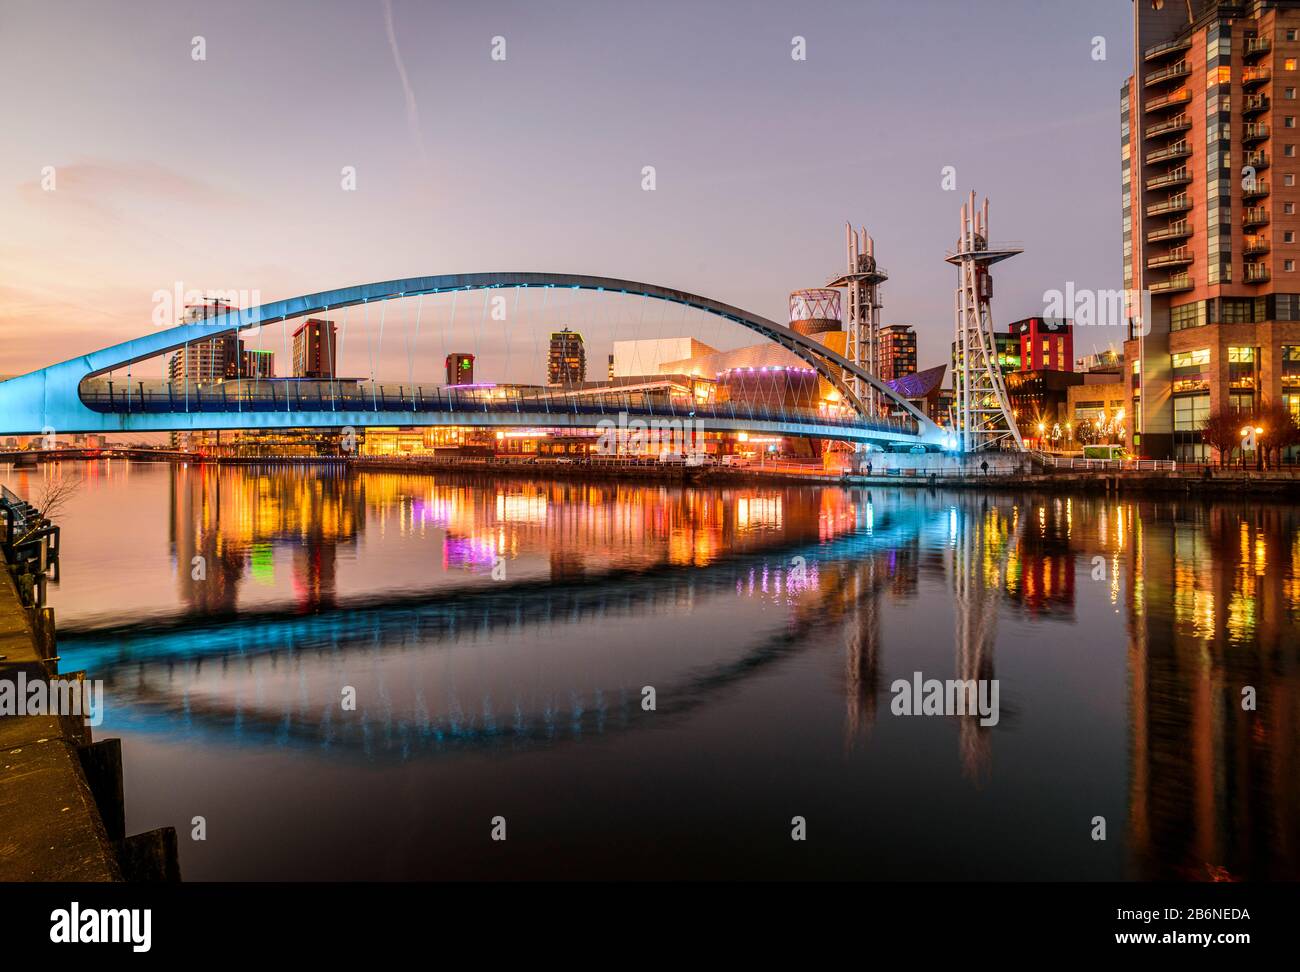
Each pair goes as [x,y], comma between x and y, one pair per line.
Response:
[983,416]
[862,279]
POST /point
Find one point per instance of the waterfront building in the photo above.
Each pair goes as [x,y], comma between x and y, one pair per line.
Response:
[650,356]
[1046,344]
[924,390]
[896,351]
[257,363]
[315,349]
[567,362]
[815,311]
[1210,124]
[1007,347]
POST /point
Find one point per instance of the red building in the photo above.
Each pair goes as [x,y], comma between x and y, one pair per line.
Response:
[1046,344]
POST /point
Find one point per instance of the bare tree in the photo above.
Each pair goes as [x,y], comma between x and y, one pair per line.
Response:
[53,498]
[1222,432]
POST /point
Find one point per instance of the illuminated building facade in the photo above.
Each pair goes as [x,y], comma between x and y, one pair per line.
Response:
[1045,344]
[896,350]
[257,364]
[315,349]
[1210,124]
[566,363]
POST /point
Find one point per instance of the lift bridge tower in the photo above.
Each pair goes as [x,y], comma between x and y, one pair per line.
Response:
[862,280]
[983,418]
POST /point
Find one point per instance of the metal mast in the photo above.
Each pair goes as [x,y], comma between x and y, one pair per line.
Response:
[983,409]
[862,280]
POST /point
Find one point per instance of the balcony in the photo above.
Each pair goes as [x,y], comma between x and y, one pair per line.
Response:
[1255,216]
[1180,203]
[1179,123]
[1175,283]
[1172,100]
[1254,132]
[1171,73]
[1256,273]
[1255,75]
[1158,51]
[1257,189]
[1257,160]
[1179,150]
[1255,47]
[1254,245]
[1178,177]
[1254,104]
[1179,229]
[1179,256]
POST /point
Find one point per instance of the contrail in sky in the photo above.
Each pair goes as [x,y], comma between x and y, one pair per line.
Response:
[412,109]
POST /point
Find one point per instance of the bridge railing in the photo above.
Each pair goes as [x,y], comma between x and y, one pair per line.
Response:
[137,396]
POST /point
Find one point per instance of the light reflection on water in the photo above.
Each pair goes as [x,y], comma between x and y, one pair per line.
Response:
[771,623]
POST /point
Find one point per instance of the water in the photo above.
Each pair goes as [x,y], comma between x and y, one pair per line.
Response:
[499,634]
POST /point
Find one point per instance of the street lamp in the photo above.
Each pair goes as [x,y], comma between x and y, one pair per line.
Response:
[1250,437]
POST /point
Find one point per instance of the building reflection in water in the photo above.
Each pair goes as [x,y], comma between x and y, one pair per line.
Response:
[1209,595]
[1212,612]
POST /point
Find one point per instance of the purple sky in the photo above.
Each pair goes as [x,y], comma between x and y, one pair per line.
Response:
[225,173]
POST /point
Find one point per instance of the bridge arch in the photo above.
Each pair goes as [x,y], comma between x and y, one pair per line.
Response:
[49,398]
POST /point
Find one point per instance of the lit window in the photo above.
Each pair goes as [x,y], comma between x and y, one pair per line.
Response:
[1188,359]
[1289,64]
[1241,355]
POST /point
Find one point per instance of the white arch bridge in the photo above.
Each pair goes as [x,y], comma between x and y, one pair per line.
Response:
[73,396]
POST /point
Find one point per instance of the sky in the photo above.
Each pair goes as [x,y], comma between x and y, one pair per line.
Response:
[226,172]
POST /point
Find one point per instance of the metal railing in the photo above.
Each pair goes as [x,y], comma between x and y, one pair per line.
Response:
[1096,465]
[276,395]
[26,536]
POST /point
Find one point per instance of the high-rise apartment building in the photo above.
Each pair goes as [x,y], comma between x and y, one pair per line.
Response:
[315,349]
[895,351]
[567,363]
[205,362]
[1210,124]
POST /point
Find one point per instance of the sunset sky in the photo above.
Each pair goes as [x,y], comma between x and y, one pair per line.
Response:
[225,173]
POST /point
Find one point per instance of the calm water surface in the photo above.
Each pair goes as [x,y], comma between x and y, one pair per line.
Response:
[498,635]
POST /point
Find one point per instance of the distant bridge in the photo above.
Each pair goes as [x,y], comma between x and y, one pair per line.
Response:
[72,396]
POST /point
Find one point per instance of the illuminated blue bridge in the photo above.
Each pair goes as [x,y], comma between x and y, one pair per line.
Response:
[79,395]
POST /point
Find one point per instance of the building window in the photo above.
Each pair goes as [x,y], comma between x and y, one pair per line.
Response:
[1185,359]
[1187,315]
[1288,236]
[1288,121]
[1288,179]
[1288,266]
[1291,33]
[1288,209]
[1289,151]
[1289,64]
[1289,94]
[1291,367]
[1241,401]
[1190,412]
